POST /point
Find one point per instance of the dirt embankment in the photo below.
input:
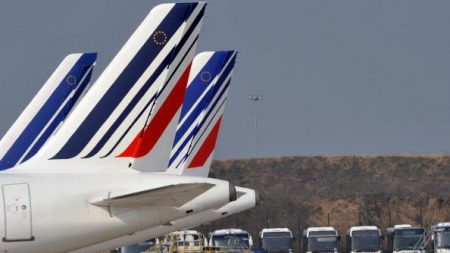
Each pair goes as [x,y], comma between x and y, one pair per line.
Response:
[299,192]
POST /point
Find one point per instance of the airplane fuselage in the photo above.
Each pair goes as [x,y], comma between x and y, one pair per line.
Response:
[53,212]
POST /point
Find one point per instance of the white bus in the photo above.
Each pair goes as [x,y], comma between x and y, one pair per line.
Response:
[320,239]
[230,240]
[364,239]
[277,240]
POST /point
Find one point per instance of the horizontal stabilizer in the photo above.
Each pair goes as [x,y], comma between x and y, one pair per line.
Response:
[171,195]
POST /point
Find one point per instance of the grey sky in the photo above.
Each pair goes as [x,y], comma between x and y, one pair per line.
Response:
[338,77]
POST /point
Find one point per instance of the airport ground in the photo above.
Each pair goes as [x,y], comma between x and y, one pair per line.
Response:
[299,192]
[339,191]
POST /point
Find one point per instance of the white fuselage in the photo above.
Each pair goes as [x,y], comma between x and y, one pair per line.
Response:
[244,202]
[62,218]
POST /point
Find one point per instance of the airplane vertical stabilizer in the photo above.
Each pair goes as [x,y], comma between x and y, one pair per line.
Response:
[123,102]
[47,110]
[199,123]
[151,147]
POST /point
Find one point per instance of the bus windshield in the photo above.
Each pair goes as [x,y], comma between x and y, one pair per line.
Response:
[443,239]
[231,240]
[407,239]
[322,244]
[366,243]
[277,241]
[366,240]
[277,244]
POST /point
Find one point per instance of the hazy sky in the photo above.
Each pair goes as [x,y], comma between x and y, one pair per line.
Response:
[337,77]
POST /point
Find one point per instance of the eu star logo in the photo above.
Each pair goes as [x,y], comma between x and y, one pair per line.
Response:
[71,80]
[160,38]
[206,76]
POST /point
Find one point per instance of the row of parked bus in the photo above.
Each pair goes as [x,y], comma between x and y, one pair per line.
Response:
[399,239]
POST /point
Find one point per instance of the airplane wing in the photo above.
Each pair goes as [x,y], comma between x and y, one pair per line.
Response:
[171,195]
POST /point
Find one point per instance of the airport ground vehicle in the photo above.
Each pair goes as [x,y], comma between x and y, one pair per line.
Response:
[230,240]
[139,247]
[441,237]
[401,238]
[364,239]
[320,239]
[185,241]
[276,240]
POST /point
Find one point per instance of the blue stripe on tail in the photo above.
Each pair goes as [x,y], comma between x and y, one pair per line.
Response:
[199,84]
[58,119]
[118,90]
[165,63]
[196,89]
[48,110]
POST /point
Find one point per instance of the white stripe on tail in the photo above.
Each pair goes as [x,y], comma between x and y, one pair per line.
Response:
[138,80]
[151,147]
[47,110]
[201,116]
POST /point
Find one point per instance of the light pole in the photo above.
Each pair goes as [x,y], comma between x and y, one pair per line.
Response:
[256,98]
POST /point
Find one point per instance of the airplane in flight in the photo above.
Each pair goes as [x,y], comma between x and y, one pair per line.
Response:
[83,176]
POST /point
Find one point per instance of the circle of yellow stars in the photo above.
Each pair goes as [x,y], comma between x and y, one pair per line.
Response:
[160,38]
[206,76]
[71,80]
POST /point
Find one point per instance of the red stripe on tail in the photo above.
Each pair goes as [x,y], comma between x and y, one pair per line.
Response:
[144,142]
[207,147]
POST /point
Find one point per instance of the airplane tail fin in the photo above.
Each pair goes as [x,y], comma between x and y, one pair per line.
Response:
[201,114]
[144,78]
[47,110]
[151,146]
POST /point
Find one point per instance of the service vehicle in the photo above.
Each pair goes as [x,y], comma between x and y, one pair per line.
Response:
[277,240]
[441,237]
[405,239]
[186,241]
[320,239]
[364,239]
[230,240]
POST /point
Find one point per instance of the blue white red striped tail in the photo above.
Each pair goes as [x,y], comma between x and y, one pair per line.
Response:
[202,111]
[123,103]
[47,110]
[152,145]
